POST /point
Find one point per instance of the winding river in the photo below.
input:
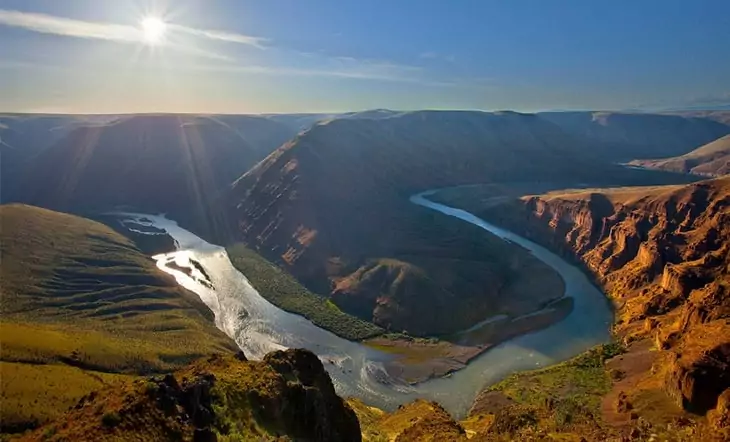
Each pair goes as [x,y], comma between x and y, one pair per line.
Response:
[258,326]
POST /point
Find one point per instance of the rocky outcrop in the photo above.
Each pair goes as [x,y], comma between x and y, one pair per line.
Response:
[719,418]
[417,421]
[662,255]
[288,395]
[640,242]
[700,369]
[191,401]
[310,408]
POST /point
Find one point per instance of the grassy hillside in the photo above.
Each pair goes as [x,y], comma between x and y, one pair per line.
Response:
[77,294]
[287,396]
[287,293]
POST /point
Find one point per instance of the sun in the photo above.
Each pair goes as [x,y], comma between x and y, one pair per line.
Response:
[153,30]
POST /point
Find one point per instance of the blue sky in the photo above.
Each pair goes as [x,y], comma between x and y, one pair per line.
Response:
[245,56]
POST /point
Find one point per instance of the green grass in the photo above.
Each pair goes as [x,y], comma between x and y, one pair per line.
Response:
[282,290]
[249,401]
[565,394]
[422,350]
[33,394]
[75,293]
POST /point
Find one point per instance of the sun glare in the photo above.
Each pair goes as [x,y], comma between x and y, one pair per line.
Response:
[153,30]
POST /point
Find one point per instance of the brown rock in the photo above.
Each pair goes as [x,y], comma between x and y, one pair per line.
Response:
[622,403]
[719,418]
[697,377]
[311,409]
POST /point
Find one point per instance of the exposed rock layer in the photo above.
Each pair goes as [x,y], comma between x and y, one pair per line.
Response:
[663,256]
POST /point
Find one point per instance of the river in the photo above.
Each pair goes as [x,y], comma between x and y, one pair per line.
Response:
[258,326]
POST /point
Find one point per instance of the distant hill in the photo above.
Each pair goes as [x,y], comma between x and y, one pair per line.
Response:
[156,163]
[301,122]
[81,308]
[722,116]
[622,137]
[21,138]
[712,159]
[298,122]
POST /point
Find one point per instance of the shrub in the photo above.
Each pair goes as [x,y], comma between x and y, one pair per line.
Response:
[111,419]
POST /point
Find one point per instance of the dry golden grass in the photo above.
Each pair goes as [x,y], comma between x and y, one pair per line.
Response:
[39,393]
[417,421]
[77,294]
[244,396]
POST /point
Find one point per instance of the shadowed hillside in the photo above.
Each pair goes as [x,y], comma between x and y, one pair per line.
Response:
[624,136]
[80,306]
[722,116]
[21,138]
[712,159]
[156,163]
[332,207]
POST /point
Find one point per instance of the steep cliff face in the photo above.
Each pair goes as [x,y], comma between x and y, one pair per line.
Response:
[662,255]
[331,207]
[288,394]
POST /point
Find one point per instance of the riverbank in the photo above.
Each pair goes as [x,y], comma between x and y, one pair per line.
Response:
[417,360]
[285,292]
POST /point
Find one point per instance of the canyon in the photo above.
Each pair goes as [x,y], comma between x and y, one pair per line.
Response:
[320,204]
[661,254]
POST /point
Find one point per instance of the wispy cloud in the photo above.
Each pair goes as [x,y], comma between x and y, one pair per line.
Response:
[230,37]
[366,72]
[50,24]
[290,62]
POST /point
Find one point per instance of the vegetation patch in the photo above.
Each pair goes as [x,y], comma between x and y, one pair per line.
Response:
[33,394]
[221,398]
[284,291]
[558,398]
